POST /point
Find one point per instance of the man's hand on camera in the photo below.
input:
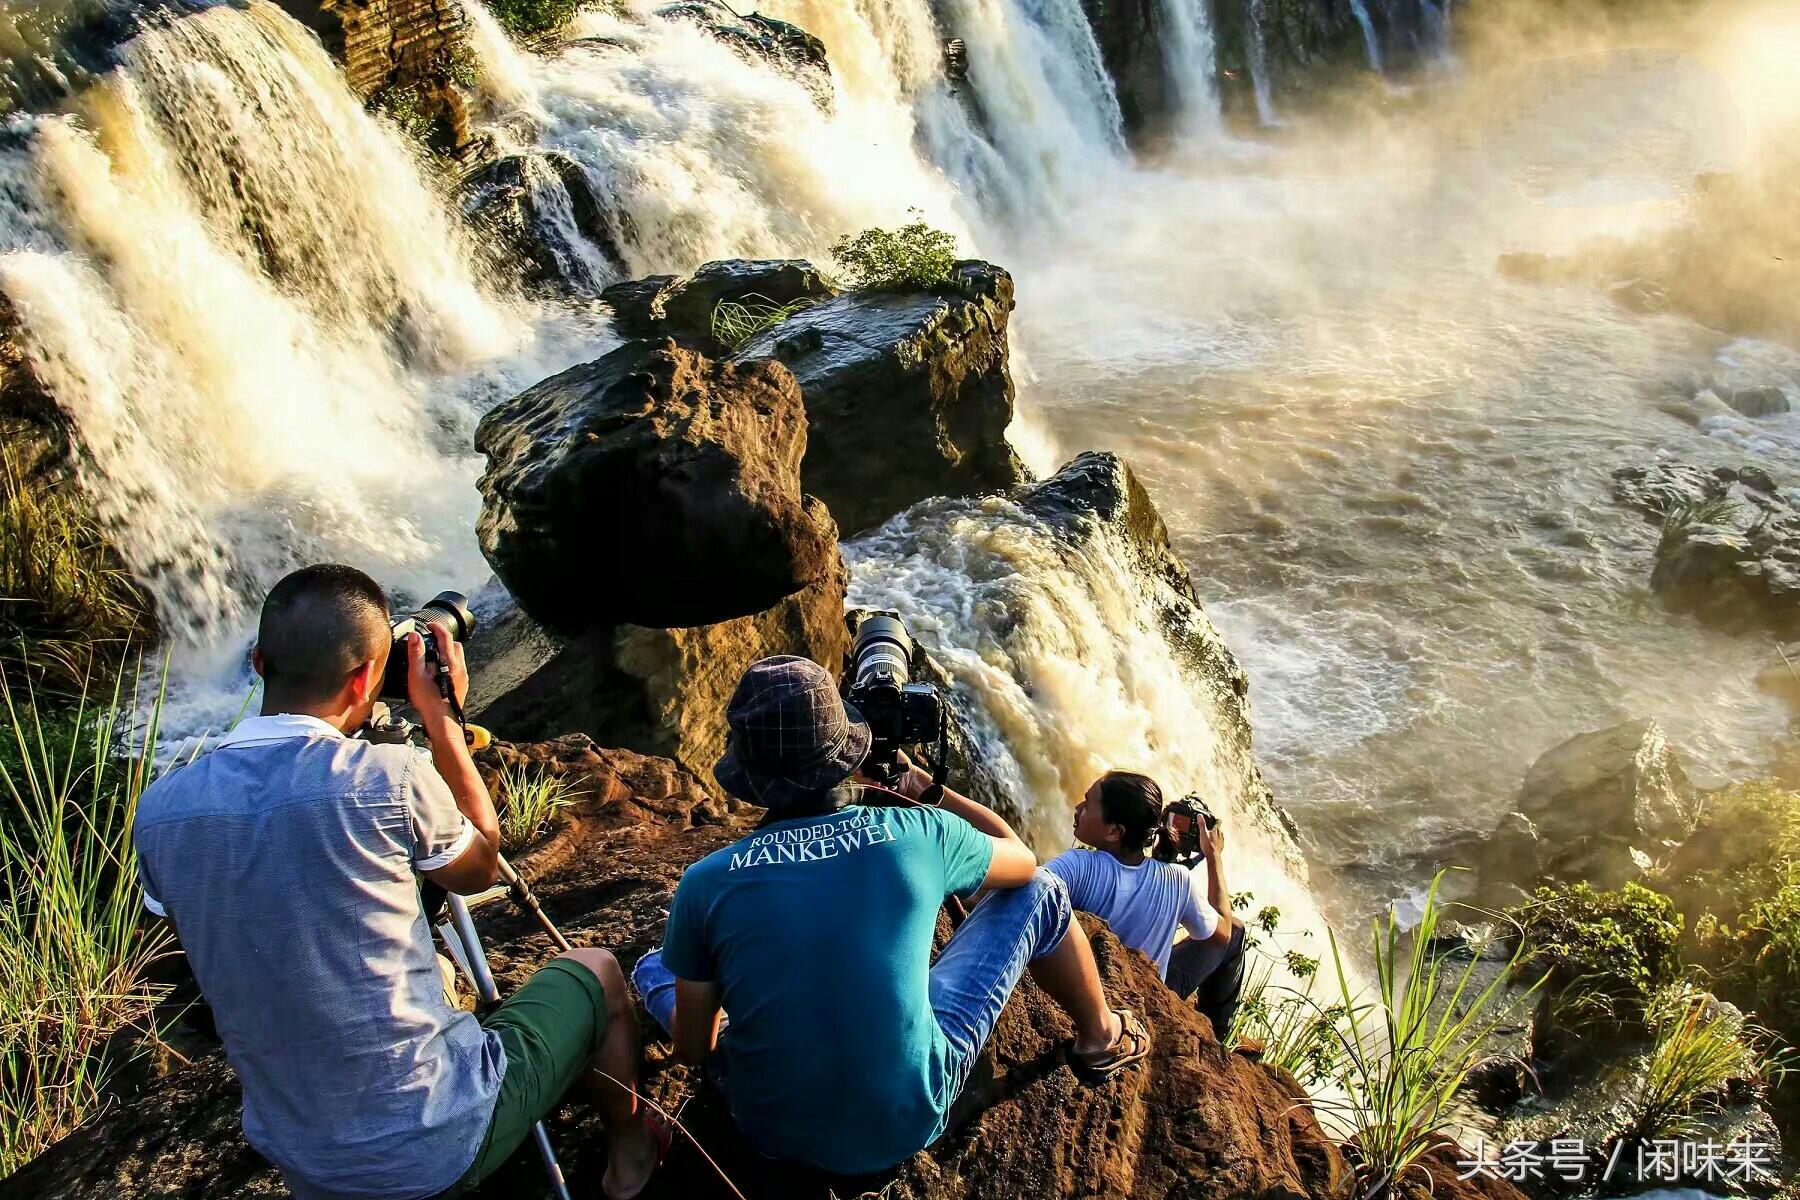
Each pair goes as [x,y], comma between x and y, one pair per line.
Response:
[1212,841]
[909,780]
[422,677]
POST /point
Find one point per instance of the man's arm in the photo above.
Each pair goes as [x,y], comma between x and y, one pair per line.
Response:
[696,1021]
[1212,848]
[477,867]
[1013,863]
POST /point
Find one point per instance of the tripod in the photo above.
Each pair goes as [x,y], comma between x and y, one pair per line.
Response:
[457,929]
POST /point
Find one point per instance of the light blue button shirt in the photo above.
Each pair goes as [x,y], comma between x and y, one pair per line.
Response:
[286,857]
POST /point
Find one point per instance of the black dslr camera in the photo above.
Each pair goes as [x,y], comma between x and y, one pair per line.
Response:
[452,608]
[879,683]
[1180,841]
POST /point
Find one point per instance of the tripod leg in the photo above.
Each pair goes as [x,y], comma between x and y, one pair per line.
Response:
[460,934]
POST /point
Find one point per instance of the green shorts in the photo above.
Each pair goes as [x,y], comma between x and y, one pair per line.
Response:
[551,1029]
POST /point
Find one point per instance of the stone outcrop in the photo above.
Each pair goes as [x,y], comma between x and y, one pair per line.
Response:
[1730,546]
[785,47]
[908,394]
[1601,807]
[659,691]
[653,486]
[398,53]
[34,429]
[544,223]
[1194,1121]
[682,307]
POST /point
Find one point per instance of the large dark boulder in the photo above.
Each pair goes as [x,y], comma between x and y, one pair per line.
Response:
[1729,551]
[544,221]
[1601,807]
[783,46]
[655,690]
[1194,1121]
[653,486]
[908,394]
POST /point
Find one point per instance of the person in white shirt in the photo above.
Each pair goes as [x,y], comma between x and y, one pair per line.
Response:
[1144,900]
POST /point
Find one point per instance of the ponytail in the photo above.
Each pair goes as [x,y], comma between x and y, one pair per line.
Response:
[1135,803]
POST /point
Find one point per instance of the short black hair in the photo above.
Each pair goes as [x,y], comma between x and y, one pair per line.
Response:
[319,624]
[1134,802]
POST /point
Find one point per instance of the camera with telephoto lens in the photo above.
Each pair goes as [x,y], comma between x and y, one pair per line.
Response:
[452,608]
[899,712]
[1180,842]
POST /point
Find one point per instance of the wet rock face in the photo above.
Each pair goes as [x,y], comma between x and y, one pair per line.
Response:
[785,47]
[908,394]
[393,46]
[37,434]
[1600,807]
[1130,35]
[545,223]
[1730,546]
[682,307]
[1193,1121]
[653,487]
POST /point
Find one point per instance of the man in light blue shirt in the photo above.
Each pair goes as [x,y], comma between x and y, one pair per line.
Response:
[1146,901]
[288,859]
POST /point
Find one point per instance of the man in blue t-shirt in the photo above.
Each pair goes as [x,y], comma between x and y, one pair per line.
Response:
[846,1044]
[1146,901]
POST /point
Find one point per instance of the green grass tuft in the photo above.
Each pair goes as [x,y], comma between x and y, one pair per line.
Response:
[529,801]
[735,322]
[75,950]
[1701,1047]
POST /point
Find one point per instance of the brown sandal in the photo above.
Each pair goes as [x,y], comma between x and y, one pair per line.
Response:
[1132,1046]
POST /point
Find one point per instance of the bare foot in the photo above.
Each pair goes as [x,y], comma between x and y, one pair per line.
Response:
[633,1152]
[1115,1029]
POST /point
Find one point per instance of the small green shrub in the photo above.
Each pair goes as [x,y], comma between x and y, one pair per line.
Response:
[735,322]
[1288,1027]
[64,605]
[528,18]
[74,951]
[912,257]
[1605,953]
[529,800]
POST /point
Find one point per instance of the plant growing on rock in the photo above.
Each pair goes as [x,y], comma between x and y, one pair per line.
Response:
[530,800]
[1701,1047]
[1405,1053]
[1286,1026]
[735,322]
[528,18]
[74,953]
[913,257]
[1604,953]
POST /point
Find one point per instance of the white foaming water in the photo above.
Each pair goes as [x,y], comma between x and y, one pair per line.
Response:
[1371,45]
[1192,61]
[1259,64]
[264,323]
[1062,669]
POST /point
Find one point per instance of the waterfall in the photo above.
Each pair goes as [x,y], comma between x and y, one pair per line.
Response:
[1192,63]
[1360,10]
[263,321]
[1259,63]
[1061,668]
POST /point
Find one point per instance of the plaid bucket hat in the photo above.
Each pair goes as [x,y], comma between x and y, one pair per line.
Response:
[792,736]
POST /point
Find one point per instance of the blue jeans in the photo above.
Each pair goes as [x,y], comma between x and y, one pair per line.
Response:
[970,981]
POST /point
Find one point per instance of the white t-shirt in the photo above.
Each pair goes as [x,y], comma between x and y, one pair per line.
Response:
[1143,904]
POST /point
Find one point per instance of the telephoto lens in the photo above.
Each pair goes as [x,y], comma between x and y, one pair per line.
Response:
[452,608]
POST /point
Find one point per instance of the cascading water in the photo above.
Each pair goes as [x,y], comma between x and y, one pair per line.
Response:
[1371,45]
[265,325]
[1062,668]
[1258,48]
[1191,59]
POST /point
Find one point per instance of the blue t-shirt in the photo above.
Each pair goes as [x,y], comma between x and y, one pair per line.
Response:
[1142,904]
[818,932]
